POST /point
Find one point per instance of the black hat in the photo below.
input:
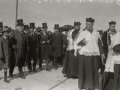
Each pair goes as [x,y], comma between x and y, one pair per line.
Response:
[90,20]
[1,25]
[112,22]
[32,25]
[6,29]
[77,23]
[38,29]
[56,26]
[20,22]
[26,27]
[44,25]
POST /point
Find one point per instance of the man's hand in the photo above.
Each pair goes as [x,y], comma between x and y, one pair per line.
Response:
[14,47]
[48,41]
[103,57]
[84,41]
[3,60]
[43,42]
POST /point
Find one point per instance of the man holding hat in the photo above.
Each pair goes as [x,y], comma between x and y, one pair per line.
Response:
[33,46]
[18,48]
[44,41]
[56,45]
[89,48]
[5,52]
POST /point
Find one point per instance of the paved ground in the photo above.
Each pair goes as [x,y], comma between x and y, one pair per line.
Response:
[42,80]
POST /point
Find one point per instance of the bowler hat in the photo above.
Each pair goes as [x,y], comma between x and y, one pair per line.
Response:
[90,20]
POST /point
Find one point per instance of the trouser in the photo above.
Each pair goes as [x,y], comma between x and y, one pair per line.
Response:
[40,63]
[20,66]
[56,61]
[34,62]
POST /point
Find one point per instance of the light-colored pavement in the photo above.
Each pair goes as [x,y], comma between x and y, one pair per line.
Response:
[42,80]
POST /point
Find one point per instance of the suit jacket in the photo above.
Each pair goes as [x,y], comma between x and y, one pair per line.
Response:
[44,47]
[32,44]
[56,40]
[18,43]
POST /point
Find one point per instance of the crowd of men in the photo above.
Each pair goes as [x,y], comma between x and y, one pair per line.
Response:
[29,43]
[85,52]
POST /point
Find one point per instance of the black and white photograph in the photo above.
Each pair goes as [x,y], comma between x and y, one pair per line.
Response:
[59,44]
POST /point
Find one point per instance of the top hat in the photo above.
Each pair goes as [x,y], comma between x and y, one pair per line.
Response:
[38,29]
[32,25]
[90,20]
[112,22]
[1,25]
[77,23]
[26,27]
[56,26]
[44,25]
[20,22]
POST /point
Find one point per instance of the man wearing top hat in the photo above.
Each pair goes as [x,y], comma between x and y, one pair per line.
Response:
[18,44]
[89,48]
[26,29]
[44,41]
[1,28]
[5,52]
[106,39]
[33,46]
[56,45]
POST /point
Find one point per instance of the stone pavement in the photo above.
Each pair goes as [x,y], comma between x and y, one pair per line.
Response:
[42,80]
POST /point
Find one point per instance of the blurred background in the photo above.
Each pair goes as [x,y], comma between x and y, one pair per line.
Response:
[61,13]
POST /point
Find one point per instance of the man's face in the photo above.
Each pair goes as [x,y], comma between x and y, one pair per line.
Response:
[6,34]
[44,29]
[77,27]
[31,29]
[112,27]
[89,25]
[56,30]
[20,28]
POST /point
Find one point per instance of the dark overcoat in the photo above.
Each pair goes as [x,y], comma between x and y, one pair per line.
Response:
[44,47]
[4,53]
[56,40]
[18,44]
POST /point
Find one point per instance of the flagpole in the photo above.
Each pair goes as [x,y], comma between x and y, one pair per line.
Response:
[16,14]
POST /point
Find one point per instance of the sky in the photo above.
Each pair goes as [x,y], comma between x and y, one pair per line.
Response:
[62,13]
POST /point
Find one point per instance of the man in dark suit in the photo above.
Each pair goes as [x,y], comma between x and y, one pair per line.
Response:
[18,45]
[106,39]
[33,46]
[56,45]
[1,28]
[44,41]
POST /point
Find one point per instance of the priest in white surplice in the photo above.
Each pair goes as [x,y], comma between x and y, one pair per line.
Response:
[89,47]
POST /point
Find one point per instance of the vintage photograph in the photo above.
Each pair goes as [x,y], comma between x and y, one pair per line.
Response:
[59,44]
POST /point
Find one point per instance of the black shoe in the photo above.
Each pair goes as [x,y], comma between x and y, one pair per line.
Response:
[5,80]
[35,71]
[10,75]
[21,74]
[56,68]
[47,69]
[40,68]
[30,70]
